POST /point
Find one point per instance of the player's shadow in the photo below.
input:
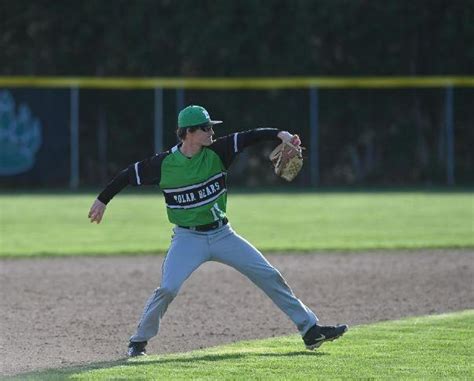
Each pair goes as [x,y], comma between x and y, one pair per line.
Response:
[222,357]
[77,370]
[292,354]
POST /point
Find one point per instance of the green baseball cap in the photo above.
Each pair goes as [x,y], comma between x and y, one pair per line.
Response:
[194,116]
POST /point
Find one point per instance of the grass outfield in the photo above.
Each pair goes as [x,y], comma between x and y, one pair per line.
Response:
[432,347]
[57,224]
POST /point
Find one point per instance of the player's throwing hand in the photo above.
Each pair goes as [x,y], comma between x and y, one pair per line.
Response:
[285,137]
[97,211]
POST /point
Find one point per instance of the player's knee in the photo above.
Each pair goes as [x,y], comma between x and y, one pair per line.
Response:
[169,292]
[274,274]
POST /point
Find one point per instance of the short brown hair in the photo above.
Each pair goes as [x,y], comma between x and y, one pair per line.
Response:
[181,133]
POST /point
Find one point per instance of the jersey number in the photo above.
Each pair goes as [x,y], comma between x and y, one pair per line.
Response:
[216,212]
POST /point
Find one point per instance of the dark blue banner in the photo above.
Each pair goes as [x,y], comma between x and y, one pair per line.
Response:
[34,137]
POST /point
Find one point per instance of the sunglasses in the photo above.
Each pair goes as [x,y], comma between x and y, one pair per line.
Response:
[205,128]
[202,128]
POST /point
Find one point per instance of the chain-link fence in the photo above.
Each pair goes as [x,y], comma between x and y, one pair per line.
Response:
[383,136]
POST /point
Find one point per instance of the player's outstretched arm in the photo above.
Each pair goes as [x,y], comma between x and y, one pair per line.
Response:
[145,172]
[115,186]
[97,211]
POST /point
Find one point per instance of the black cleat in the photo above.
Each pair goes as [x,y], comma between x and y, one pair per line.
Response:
[318,334]
[137,348]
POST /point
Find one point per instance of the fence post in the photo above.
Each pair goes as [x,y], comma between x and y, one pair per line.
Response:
[314,135]
[102,145]
[179,100]
[74,138]
[449,135]
[158,122]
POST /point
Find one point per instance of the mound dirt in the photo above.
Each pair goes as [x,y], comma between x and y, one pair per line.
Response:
[59,312]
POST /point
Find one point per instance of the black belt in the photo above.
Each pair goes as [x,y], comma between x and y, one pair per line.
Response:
[205,228]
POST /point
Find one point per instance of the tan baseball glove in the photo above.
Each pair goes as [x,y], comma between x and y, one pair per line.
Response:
[287,159]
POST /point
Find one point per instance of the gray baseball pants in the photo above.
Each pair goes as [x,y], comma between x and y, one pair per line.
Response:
[189,249]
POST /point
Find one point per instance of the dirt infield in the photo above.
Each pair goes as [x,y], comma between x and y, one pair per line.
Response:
[67,311]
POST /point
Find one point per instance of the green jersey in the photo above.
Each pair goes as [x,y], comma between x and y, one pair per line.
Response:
[194,188]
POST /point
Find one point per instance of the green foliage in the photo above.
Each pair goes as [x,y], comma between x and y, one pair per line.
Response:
[275,37]
[432,347]
[57,224]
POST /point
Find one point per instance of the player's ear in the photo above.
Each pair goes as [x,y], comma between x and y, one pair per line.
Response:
[191,130]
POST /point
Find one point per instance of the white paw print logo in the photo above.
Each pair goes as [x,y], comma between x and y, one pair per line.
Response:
[20,136]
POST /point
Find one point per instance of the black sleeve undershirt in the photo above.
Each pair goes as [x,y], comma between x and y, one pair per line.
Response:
[149,170]
[251,137]
[114,186]
[228,147]
[145,172]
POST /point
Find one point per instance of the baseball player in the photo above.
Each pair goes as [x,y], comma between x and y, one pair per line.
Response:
[192,176]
